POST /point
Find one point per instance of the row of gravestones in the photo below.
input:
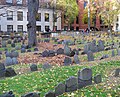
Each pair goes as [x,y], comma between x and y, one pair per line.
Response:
[93,47]
[71,84]
[67,51]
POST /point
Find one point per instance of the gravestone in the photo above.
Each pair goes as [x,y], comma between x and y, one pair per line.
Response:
[104,56]
[8,61]
[100,45]
[45,53]
[117,72]
[2,70]
[51,53]
[12,44]
[86,48]
[46,66]
[33,67]
[113,53]
[67,61]
[28,50]
[32,94]
[8,54]
[8,94]
[9,41]
[14,54]
[9,72]
[71,84]
[60,89]
[76,59]
[17,47]
[90,56]
[50,94]
[118,52]
[60,51]
[23,50]
[3,44]
[84,77]
[14,60]
[98,79]
[76,51]
[36,49]
[67,50]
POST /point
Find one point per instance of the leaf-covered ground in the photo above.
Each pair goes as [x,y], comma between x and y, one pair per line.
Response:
[43,81]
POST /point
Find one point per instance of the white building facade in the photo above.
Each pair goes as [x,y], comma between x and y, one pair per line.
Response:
[15,18]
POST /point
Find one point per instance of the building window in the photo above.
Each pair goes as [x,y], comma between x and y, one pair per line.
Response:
[20,28]
[47,28]
[20,16]
[19,2]
[38,28]
[38,17]
[9,1]
[10,15]
[46,17]
[9,28]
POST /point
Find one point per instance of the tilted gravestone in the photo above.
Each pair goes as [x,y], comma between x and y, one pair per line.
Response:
[67,50]
[2,70]
[36,49]
[84,77]
[71,84]
[117,72]
[60,51]
[46,66]
[60,89]
[98,79]
[76,59]
[33,67]
[23,50]
[90,56]
[8,94]
[9,72]
[50,94]
[32,94]
[67,61]
[51,53]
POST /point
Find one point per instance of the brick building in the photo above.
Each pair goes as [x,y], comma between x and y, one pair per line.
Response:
[78,23]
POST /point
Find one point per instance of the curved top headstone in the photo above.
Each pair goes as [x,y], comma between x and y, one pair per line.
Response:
[85,74]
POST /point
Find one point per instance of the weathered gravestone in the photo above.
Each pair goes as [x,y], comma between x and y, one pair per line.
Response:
[76,51]
[60,51]
[23,50]
[9,41]
[33,67]
[32,94]
[28,50]
[113,53]
[2,70]
[8,94]
[50,94]
[104,56]
[71,84]
[3,44]
[67,61]
[100,45]
[118,52]
[17,47]
[36,49]
[51,53]
[117,72]
[46,66]
[76,59]
[67,50]
[14,54]
[45,53]
[8,61]
[86,48]
[84,77]
[14,60]
[98,79]
[90,56]
[9,72]
[60,89]
[12,44]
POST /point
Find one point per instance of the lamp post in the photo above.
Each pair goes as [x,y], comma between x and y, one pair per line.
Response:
[89,15]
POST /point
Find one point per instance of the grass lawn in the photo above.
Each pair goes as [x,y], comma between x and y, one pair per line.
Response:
[45,81]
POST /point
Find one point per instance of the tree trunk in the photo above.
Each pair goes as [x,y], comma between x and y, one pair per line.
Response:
[33,6]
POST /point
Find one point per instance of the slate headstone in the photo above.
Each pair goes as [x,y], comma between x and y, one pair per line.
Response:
[117,72]
[23,50]
[45,53]
[76,59]
[32,94]
[113,53]
[84,77]
[46,66]
[4,44]
[14,60]
[2,70]
[33,67]
[8,61]
[90,56]
[71,84]
[12,44]
[9,72]
[51,53]
[50,94]
[67,61]
[8,94]
[60,51]
[118,52]
[98,79]
[60,89]
[100,45]
[67,50]
[36,49]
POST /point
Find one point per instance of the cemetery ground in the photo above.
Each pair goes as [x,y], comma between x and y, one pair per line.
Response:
[45,80]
